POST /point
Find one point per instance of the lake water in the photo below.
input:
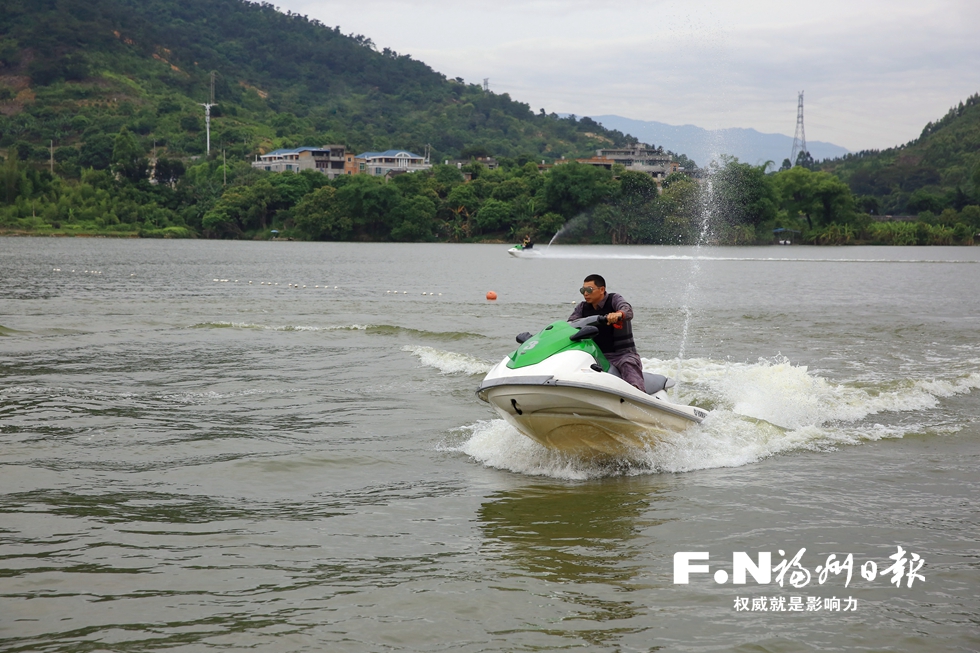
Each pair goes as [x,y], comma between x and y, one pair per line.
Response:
[277,446]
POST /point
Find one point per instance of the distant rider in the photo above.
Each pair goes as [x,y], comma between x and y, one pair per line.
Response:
[527,244]
[616,343]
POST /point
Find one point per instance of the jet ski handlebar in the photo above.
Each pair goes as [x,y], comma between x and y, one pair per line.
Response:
[590,320]
[586,328]
[589,331]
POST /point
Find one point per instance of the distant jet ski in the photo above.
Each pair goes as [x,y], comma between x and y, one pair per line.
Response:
[524,250]
[558,389]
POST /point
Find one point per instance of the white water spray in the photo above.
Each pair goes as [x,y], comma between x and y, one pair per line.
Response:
[557,233]
[707,197]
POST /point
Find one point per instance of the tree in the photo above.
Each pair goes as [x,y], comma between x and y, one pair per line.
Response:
[922,200]
[369,202]
[250,208]
[23,150]
[96,152]
[319,216]
[447,176]
[571,188]
[474,152]
[128,158]
[674,177]
[637,186]
[462,199]
[168,171]
[804,160]
[510,190]
[291,187]
[868,204]
[11,180]
[682,208]
[819,197]
[493,214]
[548,224]
[744,194]
[631,215]
[971,215]
[414,219]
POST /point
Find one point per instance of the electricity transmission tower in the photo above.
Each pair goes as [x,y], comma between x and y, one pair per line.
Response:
[486,83]
[799,140]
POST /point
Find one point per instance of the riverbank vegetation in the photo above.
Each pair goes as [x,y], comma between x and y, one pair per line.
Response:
[731,203]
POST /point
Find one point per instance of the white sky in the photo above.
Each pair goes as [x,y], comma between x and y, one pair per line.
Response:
[874,72]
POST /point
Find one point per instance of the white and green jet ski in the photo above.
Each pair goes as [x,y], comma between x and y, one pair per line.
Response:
[558,389]
[524,251]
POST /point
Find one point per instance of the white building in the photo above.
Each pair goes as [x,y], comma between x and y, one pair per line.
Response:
[379,164]
[640,158]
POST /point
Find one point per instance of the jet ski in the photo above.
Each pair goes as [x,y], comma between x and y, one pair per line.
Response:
[524,251]
[558,389]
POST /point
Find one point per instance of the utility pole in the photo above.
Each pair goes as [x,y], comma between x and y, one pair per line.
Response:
[207,114]
[799,140]
[207,123]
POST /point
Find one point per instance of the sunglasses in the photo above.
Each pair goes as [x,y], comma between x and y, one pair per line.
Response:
[586,290]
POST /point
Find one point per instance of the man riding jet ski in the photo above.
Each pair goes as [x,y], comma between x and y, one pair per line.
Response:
[615,337]
[562,389]
[525,249]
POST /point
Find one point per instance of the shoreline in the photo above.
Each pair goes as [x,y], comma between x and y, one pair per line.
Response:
[20,233]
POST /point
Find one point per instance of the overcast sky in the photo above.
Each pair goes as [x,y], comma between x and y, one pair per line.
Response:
[873,71]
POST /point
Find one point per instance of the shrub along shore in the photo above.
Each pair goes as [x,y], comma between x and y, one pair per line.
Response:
[742,205]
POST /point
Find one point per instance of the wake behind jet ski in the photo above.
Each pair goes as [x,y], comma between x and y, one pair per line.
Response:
[560,390]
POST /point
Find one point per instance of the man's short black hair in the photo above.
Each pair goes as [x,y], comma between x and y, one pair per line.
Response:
[597,279]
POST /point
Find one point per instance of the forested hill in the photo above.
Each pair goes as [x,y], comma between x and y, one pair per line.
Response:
[937,171]
[71,70]
[115,87]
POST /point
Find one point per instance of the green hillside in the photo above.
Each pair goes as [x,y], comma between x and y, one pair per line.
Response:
[102,132]
[75,70]
[940,170]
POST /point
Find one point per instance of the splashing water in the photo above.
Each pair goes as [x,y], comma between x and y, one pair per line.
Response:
[557,233]
[449,362]
[578,220]
[692,285]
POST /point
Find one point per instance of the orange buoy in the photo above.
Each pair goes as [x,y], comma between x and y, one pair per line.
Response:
[491,295]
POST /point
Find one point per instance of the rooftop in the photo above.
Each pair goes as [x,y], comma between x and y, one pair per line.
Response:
[304,148]
[389,154]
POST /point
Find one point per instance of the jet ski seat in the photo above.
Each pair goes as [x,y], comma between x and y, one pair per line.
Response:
[656,382]
[653,383]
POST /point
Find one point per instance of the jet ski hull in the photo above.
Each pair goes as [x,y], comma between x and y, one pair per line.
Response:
[565,405]
[581,421]
[520,252]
